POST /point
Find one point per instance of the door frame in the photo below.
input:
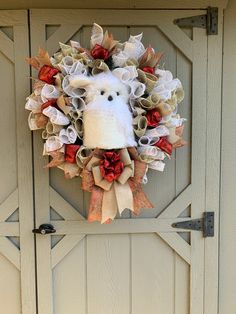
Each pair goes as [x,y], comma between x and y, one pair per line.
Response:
[16,49]
[213,115]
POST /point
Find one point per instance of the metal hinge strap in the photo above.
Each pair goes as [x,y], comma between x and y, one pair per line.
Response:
[208,21]
[205,224]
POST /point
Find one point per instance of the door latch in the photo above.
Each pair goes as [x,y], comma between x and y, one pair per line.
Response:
[205,224]
[44,229]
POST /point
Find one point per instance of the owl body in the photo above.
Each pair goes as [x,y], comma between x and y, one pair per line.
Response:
[107,119]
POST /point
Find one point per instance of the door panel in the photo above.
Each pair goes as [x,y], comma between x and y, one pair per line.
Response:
[17,265]
[136,264]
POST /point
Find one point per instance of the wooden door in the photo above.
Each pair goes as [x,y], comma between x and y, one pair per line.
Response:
[134,265]
[17,265]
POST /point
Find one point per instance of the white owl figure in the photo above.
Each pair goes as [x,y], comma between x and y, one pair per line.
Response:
[107,119]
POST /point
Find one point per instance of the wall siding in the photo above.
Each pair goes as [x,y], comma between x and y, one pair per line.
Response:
[227,301]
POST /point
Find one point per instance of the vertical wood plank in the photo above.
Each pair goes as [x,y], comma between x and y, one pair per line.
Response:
[227,300]
[69,282]
[161,186]
[108,271]
[24,156]
[10,287]
[108,257]
[182,285]
[152,275]
[198,166]
[213,164]
[42,210]
[183,155]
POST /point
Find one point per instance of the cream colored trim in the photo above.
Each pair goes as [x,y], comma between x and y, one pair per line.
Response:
[113,4]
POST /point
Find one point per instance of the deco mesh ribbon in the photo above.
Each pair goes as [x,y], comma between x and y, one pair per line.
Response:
[60,106]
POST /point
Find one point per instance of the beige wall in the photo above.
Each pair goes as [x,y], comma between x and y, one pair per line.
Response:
[227,297]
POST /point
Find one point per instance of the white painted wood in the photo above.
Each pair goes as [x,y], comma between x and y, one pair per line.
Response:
[42,205]
[64,247]
[24,157]
[178,244]
[182,201]
[140,225]
[117,4]
[9,229]
[9,251]
[227,300]
[182,293]
[7,46]
[10,289]
[62,207]
[152,275]
[8,206]
[16,183]
[108,274]
[63,34]
[164,22]
[213,167]
[70,274]
[125,266]
[198,166]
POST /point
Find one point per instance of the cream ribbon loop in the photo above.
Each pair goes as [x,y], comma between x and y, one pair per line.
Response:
[117,195]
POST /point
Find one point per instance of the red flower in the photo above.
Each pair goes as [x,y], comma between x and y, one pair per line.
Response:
[98,52]
[111,166]
[164,145]
[51,102]
[153,117]
[70,152]
[148,69]
[47,73]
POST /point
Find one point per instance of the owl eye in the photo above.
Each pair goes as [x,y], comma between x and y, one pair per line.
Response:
[102,92]
[117,93]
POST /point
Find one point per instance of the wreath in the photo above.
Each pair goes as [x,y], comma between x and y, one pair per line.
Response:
[107,114]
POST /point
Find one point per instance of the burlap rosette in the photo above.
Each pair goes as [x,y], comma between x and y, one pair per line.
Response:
[110,197]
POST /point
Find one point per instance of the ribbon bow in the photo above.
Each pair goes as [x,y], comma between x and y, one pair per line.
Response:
[112,196]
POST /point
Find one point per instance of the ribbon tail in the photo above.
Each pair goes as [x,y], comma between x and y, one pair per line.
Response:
[95,206]
[124,196]
[140,199]
[109,205]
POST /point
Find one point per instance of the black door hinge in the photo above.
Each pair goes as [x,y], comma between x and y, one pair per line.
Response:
[205,224]
[208,21]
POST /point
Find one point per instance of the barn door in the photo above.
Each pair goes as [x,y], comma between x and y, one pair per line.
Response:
[17,265]
[134,265]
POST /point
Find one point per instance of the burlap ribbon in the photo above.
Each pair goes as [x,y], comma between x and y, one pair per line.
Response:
[98,66]
[108,198]
[148,79]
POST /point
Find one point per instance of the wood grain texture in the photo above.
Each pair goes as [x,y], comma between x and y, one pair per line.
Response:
[10,289]
[214,99]
[8,250]
[42,203]
[227,300]
[7,46]
[198,167]
[124,262]
[140,225]
[103,4]
[152,275]
[69,282]
[182,285]
[9,205]
[179,245]
[16,167]
[25,179]
[108,274]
